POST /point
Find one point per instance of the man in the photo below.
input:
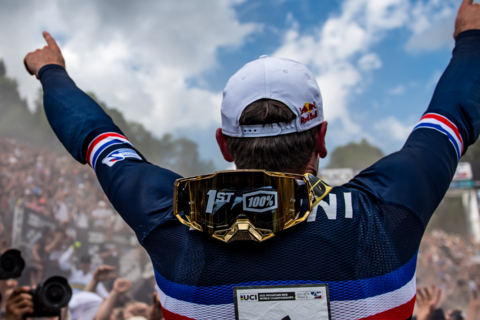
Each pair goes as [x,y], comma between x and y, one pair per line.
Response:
[362,240]
[80,277]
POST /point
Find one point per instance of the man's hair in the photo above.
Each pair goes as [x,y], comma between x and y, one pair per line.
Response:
[283,153]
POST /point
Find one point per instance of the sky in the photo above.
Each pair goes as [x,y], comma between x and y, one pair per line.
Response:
[165,63]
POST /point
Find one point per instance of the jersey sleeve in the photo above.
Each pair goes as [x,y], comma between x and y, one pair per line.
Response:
[141,192]
[419,175]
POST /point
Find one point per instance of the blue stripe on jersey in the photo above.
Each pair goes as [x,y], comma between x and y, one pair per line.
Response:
[100,150]
[439,128]
[338,290]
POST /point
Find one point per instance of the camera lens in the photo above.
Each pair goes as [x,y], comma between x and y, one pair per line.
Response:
[8,264]
[11,264]
[54,294]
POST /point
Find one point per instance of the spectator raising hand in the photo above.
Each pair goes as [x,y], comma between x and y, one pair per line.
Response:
[156,309]
[427,302]
[100,274]
[474,306]
[120,287]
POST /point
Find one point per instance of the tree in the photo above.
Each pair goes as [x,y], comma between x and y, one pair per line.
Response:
[355,155]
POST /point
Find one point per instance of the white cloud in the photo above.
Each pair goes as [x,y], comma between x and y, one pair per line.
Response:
[432,25]
[136,56]
[393,128]
[338,52]
[369,61]
[397,90]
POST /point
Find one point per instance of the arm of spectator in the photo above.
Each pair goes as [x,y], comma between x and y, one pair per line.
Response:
[474,306]
[120,286]
[155,312]
[102,273]
[35,254]
[427,301]
[19,304]
[64,260]
[49,247]
[102,291]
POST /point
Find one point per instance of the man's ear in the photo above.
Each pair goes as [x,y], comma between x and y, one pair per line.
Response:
[321,148]
[223,145]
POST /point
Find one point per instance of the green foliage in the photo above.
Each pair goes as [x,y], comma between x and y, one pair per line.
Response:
[18,122]
[449,217]
[355,155]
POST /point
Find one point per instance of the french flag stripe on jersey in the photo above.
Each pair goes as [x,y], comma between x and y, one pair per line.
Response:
[100,143]
[397,304]
[339,290]
[442,124]
[391,293]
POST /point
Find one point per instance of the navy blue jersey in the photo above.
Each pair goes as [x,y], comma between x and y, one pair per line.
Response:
[362,239]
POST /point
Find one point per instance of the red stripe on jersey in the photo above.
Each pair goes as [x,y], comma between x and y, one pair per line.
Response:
[98,139]
[402,312]
[173,316]
[445,121]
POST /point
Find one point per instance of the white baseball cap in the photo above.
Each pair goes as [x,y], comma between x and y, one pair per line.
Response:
[278,79]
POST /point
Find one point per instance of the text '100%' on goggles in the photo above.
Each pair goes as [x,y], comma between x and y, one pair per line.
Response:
[246,204]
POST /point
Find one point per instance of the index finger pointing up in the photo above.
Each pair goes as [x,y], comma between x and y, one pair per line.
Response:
[467,2]
[50,41]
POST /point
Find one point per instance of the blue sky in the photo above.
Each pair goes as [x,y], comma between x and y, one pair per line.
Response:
[165,64]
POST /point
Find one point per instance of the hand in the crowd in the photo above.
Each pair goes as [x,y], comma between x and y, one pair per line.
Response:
[103,273]
[474,305]
[50,54]
[427,301]
[19,304]
[135,309]
[468,17]
[122,285]
[156,309]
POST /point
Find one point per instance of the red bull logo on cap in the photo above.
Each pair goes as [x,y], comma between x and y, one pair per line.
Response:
[308,108]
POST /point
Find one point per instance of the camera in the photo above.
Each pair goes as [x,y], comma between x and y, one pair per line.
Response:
[11,264]
[50,296]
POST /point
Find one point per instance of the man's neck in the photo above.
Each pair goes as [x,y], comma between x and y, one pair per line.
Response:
[312,165]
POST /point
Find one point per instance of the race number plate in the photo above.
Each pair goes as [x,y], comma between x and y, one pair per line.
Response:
[290,302]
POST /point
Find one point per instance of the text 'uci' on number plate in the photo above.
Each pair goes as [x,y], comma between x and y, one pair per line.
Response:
[290,302]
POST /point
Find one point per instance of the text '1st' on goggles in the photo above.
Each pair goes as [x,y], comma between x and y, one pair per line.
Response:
[246,204]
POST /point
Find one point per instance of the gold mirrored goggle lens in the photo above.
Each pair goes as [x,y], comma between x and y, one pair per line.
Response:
[231,204]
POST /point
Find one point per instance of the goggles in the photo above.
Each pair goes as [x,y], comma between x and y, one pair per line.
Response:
[246,204]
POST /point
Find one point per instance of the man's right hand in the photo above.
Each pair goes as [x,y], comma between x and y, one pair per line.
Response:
[50,54]
[468,17]
[19,304]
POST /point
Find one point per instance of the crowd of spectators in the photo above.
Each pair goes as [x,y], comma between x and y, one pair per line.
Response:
[68,197]
[452,263]
[60,190]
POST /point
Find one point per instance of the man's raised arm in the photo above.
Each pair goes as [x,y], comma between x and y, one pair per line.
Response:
[141,192]
[419,175]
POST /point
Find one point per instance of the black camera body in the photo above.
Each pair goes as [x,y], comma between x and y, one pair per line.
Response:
[50,296]
[11,264]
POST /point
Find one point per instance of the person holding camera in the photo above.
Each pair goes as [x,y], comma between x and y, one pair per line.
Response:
[19,304]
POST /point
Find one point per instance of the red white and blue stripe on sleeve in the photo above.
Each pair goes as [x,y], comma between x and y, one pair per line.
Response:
[390,296]
[102,142]
[443,125]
